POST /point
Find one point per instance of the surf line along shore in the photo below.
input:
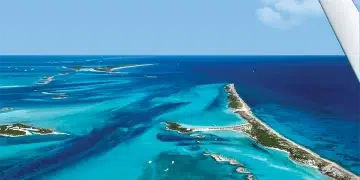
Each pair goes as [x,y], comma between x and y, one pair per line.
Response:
[266,136]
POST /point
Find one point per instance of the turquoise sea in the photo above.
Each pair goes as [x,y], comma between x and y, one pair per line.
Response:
[115,120]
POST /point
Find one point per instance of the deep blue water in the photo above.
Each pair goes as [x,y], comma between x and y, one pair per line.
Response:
[313,100]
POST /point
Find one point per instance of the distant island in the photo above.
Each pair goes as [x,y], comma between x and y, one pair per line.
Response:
[61,96]
[266,136]
[6,109]
[46,80]
[19,129]
[56,95]
[107,69]
[64,73]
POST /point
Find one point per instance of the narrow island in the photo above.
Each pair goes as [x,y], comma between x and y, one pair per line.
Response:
[46,80]
[199,136]
[6,109]
[64,73]
[107,69]
[56,95]
[239,167]
[178,128]
[19,129]
[60,96]
[266,136]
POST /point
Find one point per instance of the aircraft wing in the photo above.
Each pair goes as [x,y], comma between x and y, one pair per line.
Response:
[344,19]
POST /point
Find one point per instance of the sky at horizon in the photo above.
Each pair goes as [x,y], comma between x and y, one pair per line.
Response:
[159,27]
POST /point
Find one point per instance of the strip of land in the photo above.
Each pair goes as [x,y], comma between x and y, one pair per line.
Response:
[266,136]
[6,109]
[239,167]
[46,80]
[173,126]
[18,129]
[107,69]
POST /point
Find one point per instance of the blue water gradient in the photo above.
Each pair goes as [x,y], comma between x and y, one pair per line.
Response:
[115,120]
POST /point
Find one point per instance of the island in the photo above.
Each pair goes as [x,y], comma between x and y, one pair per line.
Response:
[64,73]
[107,69]
[19,129]
[199,136]
[177,127]
[266,136]
[46,80]
[239,167]
[60,96]
[56,95]
[6,109]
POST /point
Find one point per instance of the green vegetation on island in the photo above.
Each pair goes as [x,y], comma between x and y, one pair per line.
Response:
[5,131]
[234,101]
[177,127]
[45,131]
[235,104]
[19,129]
[21,125]
[269,139]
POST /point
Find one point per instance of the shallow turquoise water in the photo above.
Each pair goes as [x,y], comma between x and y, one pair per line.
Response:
[115,125]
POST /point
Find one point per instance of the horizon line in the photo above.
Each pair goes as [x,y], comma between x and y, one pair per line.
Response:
[172,54]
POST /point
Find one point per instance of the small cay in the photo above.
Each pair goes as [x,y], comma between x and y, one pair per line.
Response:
[177,127]
[19,129]
[239,167]
[46,80]
[266,136]
[60,96]
[6,109]
[107,69]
